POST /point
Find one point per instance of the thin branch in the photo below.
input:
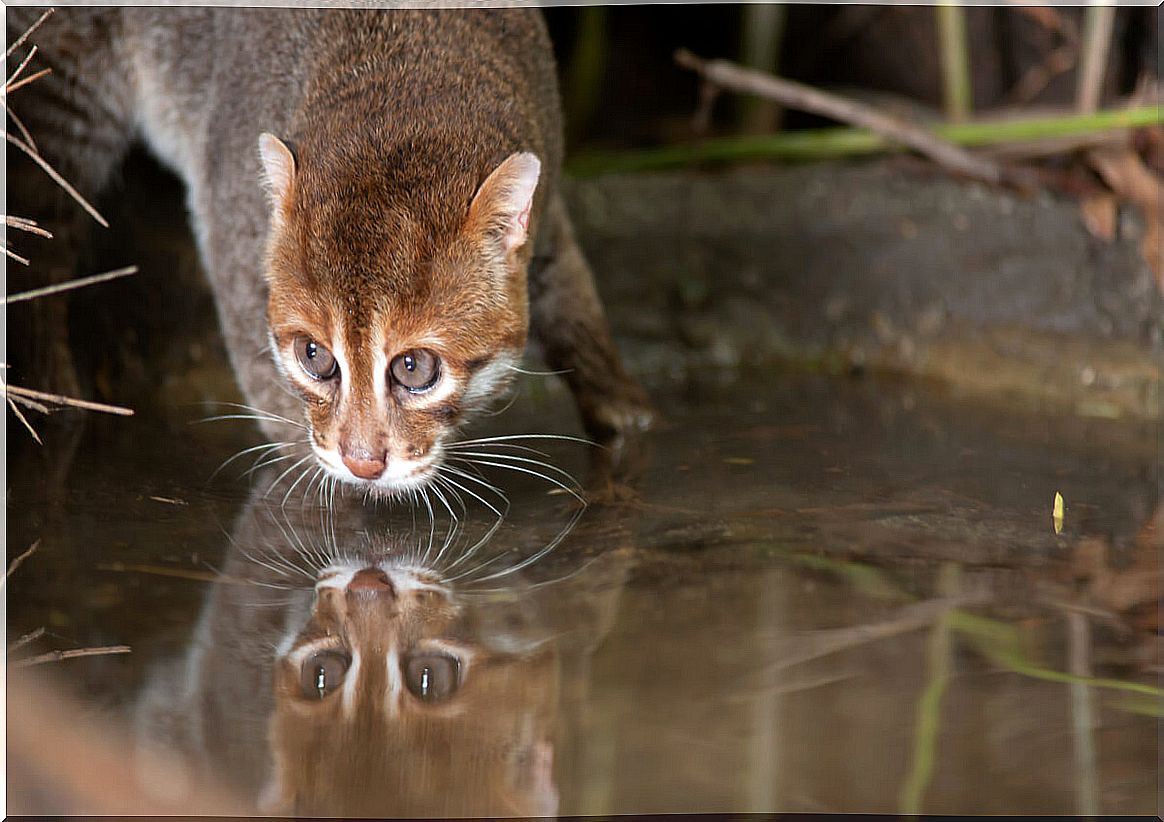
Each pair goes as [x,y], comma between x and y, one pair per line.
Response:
[1097,29]
[31,636]
[56,656]
[32,78]
[12,77]
[16,563]
[27,403]
[81,282]
[25,224]
[61,181]
[806,98]
[20,416]
[164,571]
[20,40]
[24,132]
[57,399]
[15,256]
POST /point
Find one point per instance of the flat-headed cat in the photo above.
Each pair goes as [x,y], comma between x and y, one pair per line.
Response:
[337,673]
[374,197]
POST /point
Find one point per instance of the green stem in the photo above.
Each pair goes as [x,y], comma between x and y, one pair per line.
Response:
[955,53]
[925,740]
[828,143]
[1000,643]
[925,735]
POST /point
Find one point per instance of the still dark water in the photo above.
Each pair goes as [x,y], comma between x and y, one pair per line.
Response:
[799,594]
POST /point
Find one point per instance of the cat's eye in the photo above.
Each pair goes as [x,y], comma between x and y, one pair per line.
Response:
[432,677]
[322,673]
[317,361]
[416,370]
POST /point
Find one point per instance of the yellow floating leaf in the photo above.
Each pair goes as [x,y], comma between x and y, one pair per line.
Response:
[1057,513]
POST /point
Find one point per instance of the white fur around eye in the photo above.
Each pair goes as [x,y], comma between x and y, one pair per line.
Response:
[289,367]
[485,381]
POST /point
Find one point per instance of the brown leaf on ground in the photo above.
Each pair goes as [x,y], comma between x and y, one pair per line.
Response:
[1100,212]
[1131,180]
[1133,591]
[1149,144]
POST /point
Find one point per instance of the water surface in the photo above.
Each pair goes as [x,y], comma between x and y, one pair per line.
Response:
[798,594]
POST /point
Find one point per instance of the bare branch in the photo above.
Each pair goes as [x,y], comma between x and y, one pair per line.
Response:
[57,399]
[27,403]
[20,416]
[1097,29]
[16,563]
[24,132]
[31,636]
[12,77]
[15,256]
[20,40]
[70,285]
[25,224]
[806,98]
[61,181]
[32,78]
[56,656]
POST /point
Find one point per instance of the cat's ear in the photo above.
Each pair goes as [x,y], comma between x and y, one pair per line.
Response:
[278,172]
[502,205]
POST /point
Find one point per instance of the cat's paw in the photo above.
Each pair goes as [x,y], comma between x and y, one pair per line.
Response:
[619,416]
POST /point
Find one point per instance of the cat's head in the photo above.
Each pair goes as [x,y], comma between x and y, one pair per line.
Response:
[394,700]
[397,308]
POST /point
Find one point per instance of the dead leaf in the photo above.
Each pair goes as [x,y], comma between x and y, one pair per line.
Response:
[1131,180]
[1099,212]
[1130,589]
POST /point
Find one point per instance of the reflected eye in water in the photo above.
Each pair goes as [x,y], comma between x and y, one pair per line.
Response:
[432,677]
[322,673]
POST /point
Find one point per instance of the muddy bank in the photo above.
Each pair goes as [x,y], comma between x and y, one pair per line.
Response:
[843,267]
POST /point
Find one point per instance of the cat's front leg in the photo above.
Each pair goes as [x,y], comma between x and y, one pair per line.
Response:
[567,320]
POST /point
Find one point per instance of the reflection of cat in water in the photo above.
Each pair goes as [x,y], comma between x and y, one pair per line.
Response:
[375,688]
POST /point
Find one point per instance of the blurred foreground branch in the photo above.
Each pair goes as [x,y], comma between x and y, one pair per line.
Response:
[806,98]
[1069,131]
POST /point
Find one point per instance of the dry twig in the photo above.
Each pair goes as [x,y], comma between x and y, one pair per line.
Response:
[12,78]
[56,656]
[57,178]
[31,636]
[16,563]
[22,38]
[805,98]
[1097,31]
[58,399]
[20,416]
[80,282]
[32,78]
[24,132]
[25,224]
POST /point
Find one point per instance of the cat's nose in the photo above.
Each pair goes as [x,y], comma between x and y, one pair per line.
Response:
[371,581]
[363,464]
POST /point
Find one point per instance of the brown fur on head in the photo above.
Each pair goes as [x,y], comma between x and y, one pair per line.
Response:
[369,745]
[383,274]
